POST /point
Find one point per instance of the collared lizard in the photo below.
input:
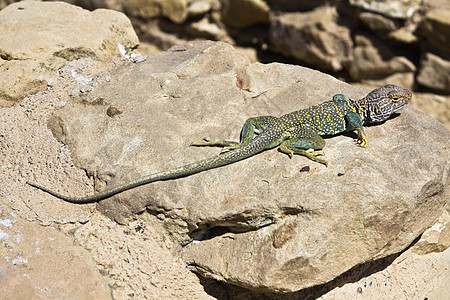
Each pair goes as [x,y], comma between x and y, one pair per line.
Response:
[299,132]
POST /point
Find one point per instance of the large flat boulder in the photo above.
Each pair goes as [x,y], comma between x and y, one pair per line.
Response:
[260,223]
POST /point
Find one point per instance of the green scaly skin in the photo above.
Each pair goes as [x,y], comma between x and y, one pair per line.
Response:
[298,132]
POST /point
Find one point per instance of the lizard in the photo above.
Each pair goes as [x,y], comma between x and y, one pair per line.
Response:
[299,132]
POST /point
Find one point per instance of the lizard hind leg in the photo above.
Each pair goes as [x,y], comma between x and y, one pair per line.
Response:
[311,147]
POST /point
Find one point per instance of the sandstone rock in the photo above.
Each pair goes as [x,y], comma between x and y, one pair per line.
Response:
[175,10]
[42,263]
[206,29]
[128,261]
[244,13]
[160,38]
[437,106]
[400,279]
[259,223]
[19,78]
[435,73]
[199,7]
[32,49]
[435,28]
[313,38]
[436,238]
[391,8]
[376,61]
[139,261]
[403,36]
[376,22]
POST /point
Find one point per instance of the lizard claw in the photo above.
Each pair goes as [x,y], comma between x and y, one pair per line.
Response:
[362,139]
[362,142]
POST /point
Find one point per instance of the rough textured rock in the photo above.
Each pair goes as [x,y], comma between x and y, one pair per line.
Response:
[316,37]
[434,70]
[313,37]
[244,13]
[436,28]
[260,223]
[437,106]
[373,61]
[199,7]
[435,73]
[436,238]
[207,29]
[124,255]
[175,10]
[138,260]
[396,281]
[32,51]
[377,22]
[392,8]
[42,263]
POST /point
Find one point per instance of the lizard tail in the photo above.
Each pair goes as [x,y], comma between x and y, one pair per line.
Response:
[226,158]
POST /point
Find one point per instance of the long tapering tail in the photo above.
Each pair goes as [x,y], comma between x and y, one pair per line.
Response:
[255,146]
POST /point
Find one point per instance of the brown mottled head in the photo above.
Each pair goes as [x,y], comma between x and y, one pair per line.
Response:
[382,102]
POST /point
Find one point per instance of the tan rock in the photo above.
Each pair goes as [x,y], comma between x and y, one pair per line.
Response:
[33,48]
[259,223]
[435,73]
[129,260]
[437,106]
[435,28]
[207,29]
[175,10]
[372,60]
[244,13]
[377,22]
[409,276]
[313,37]
[392,8]
[436,238]
[41,262]
[403,36]
[199,7]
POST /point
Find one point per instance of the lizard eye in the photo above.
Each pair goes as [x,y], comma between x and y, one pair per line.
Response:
[395,98]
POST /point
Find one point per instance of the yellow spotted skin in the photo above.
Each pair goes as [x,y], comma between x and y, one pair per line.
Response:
[299,132]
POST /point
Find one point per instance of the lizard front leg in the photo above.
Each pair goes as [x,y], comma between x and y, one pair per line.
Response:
[362,139]
[355,123]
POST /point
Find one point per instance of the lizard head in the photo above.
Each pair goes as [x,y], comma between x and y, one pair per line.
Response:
[382,102]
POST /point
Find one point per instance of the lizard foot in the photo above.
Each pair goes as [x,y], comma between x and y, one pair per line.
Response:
[362,142]
[315,152]
[312,155]
[362,139]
